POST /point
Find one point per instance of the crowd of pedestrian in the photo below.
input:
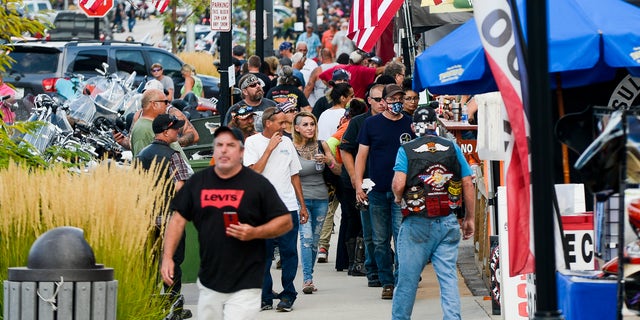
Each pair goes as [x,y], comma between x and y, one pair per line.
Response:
[318,126]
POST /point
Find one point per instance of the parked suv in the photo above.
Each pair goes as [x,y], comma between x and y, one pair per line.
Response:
[77,26]
[39,64]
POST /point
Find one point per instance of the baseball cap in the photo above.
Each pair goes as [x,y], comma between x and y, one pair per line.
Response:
[238,50]
[376,60]
[286,46]
[235,132]
[286,106]
[391,89]
[340,74]
[355,57]
[165,122]
[309,25]
[153,84]
[424,114]
[244,112]
[249,79]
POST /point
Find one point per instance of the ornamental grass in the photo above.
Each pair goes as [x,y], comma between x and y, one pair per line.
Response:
[114,205]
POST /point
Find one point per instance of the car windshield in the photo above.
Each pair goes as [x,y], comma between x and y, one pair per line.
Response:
[34,62]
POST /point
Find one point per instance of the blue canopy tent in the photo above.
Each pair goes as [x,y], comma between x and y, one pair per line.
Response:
[588,41]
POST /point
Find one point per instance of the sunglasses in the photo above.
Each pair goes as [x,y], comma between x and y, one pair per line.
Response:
[376,99]
[244,110]
[411,98]
[277,110]
[156,70]
[166,102]
[253,85]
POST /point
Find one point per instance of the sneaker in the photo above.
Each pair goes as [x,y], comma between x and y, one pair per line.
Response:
[285,305]
[308,287]
[387,292]
[266,306]
[323,255]
[186,314]
[357,270]
[374,284]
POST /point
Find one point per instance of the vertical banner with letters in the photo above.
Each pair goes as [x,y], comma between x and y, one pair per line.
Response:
[502,47]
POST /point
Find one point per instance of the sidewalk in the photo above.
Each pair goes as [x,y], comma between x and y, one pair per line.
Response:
[340,296]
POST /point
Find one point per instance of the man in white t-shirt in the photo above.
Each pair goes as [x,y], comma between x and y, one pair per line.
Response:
[274,156]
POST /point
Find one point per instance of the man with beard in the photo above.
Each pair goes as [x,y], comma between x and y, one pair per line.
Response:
[252,96]
[243,119]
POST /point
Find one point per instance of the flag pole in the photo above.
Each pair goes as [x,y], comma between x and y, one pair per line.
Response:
[541,178]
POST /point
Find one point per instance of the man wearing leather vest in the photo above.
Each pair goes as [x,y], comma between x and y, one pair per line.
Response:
[431,179]
[165,127]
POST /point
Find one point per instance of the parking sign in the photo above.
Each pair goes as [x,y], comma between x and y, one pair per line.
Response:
[221,15]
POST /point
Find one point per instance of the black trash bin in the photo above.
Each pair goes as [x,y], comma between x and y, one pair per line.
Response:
[61,281]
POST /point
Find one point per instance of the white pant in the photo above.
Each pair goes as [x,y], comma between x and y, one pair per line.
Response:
[240,305]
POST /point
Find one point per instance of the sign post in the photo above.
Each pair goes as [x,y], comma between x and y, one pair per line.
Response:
[96,9]
[221,22]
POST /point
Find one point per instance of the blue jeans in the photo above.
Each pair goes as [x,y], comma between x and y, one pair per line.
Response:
[288,244]
[385,222]
[420,240]
[310,235]
[369,249]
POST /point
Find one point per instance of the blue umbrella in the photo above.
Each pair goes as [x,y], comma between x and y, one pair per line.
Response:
[588,41]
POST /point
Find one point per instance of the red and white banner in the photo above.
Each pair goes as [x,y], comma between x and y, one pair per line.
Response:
[161,5]
[369,19]
[499,39]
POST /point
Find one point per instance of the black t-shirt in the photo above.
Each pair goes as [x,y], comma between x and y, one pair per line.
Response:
[321,106]
[349,142]
[285,92]
[226,263]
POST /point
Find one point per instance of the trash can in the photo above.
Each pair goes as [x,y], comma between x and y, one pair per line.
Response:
[61,281]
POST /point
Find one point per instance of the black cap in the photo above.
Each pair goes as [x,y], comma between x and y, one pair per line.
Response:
[424,114]
[165,122]
[237,134]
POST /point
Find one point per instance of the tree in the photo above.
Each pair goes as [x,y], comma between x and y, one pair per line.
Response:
[15,25]
[173,22]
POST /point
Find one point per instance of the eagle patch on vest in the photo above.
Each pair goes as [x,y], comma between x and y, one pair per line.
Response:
[431,147]
[436,176]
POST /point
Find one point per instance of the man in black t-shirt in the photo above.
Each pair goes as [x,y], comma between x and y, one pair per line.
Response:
[234,209]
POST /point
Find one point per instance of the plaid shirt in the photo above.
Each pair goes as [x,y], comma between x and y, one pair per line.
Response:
[179,168]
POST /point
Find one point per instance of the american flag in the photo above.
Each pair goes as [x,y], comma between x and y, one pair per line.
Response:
[369,19]
[513,86]
[161,5]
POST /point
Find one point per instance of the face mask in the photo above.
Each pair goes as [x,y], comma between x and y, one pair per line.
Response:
[395,107]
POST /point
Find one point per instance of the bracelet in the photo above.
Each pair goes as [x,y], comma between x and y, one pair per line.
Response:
[333,164]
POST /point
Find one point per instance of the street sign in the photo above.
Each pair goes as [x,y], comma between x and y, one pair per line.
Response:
[96,8]
[221,15]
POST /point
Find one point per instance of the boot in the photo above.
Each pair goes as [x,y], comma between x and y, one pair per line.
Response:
[358,263]
[351,250]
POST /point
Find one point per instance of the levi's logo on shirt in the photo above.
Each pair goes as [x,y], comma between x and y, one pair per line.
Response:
[220,198]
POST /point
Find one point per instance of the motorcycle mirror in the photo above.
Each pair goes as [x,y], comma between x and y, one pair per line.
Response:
[129,82]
